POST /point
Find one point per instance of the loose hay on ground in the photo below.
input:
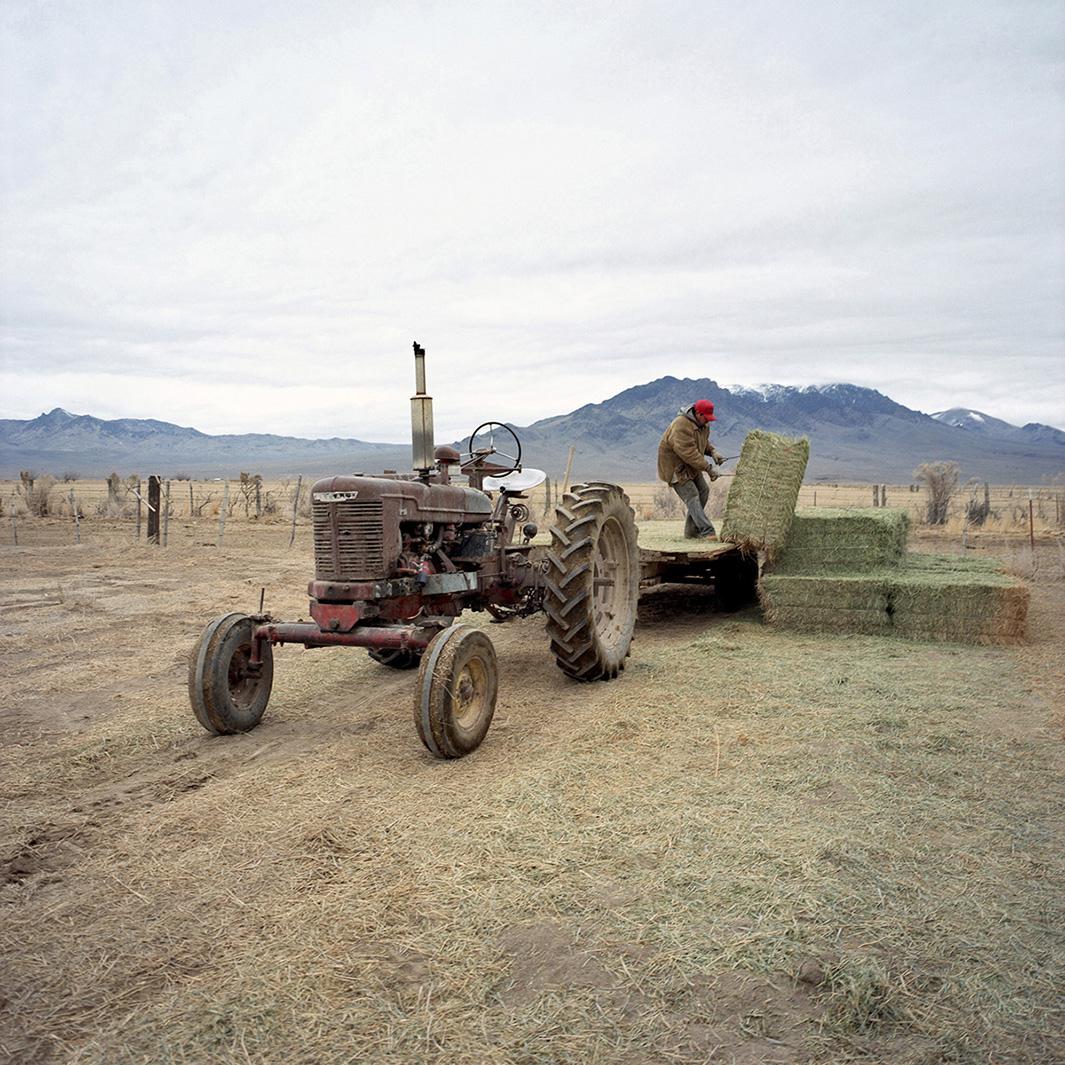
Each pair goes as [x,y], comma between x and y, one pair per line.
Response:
[757,846]
[761,500]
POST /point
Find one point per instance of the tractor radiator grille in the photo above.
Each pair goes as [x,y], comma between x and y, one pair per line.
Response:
[349,541]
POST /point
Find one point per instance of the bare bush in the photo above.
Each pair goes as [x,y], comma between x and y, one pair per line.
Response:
[977,511]
[665,504]
[35,492]
[251,485]
[940,479]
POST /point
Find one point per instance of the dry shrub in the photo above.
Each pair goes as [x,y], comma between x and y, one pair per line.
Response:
[35,492]
[977,511]
[665,504]
[250,488]
[941,479]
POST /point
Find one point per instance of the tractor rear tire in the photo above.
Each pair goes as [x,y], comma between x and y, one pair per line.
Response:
[226,698]
[592,585]
[456,695]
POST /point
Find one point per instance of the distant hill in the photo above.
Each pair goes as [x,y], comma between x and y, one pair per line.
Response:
[92,447]
[856,434]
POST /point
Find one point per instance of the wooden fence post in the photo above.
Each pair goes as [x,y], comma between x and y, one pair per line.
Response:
[166,515]
[77,524]
[876,495]
[14,527]
[153,509]
[138,510]
[222,513]
[569,468]
[295,505]
[192,503]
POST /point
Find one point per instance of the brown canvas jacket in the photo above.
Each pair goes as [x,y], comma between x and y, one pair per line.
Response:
[682,449]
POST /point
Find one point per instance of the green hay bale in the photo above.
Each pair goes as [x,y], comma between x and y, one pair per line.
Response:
[761,500]
[928,597]
[830,619]
[835,539]
[853,591]
[951,597]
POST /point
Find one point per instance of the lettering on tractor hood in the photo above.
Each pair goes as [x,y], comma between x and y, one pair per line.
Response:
[334,497]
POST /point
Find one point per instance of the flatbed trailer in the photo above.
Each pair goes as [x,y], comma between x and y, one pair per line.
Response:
[732,575]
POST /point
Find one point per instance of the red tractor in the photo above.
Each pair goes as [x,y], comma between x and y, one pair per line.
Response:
[398,558]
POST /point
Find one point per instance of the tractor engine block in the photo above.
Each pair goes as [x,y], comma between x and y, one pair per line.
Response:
[376,528]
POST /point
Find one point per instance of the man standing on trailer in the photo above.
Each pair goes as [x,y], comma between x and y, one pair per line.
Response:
[683,466]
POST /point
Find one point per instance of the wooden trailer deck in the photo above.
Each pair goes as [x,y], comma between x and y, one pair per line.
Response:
[733,577]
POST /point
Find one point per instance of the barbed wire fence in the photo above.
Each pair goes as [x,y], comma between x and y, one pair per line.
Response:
[201,510]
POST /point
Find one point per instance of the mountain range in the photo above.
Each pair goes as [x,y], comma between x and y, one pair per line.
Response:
[856,434]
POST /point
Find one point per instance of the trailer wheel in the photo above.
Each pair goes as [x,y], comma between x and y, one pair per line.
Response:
[456,695]
[593,581]
[226,696]
[395,659]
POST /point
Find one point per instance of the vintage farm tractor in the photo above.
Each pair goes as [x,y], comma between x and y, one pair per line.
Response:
[398,559]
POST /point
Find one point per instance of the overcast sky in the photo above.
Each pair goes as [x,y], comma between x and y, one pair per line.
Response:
[238,216]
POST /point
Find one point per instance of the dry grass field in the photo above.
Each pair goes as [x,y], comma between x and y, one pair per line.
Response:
[753,847]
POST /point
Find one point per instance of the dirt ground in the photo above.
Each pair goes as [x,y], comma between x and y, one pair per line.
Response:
[754,846]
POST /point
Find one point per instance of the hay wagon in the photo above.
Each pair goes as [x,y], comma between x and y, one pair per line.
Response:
[732,575]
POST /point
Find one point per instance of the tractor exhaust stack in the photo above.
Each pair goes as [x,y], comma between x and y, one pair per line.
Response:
[421,419]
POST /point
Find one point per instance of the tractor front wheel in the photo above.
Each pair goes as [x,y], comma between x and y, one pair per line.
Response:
[456,695]
[226,693]
[592,584]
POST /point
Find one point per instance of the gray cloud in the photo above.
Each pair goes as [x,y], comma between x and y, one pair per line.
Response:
[238,216]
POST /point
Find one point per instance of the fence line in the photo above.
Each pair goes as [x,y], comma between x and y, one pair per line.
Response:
[284,502]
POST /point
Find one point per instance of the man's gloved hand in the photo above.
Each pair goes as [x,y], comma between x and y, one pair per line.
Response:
[717,456]
[712,473]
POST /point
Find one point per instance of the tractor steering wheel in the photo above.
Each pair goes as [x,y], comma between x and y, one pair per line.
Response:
[486,446]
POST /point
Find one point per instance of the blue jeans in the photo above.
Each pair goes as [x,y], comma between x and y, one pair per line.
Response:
[694,495]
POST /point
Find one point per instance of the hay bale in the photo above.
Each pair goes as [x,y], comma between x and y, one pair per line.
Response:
[830,539]
[831,619]
[950,597]
[927,597]
[835,602]
[761,500]
[849,591]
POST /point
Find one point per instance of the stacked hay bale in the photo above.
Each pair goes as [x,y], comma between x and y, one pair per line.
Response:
[762,497]
[835,539]
[826,602]
[968,600]
[848,572]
